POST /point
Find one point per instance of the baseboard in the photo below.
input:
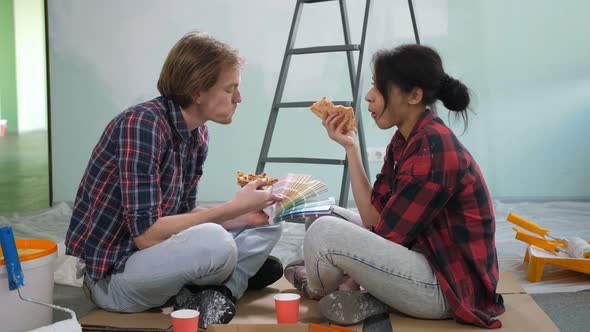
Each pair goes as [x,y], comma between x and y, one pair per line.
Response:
[542,199]
[504,199]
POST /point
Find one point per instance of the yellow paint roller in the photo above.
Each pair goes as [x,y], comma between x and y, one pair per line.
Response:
[578,248]
[575,247]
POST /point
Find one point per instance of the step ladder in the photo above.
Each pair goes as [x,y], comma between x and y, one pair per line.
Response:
[355,76]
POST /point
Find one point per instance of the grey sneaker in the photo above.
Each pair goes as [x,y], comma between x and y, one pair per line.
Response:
[350,307]
[213,306]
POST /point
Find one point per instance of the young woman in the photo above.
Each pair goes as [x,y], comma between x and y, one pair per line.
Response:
[427,247]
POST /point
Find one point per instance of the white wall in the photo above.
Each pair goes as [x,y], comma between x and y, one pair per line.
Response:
[31,80]
[106,56]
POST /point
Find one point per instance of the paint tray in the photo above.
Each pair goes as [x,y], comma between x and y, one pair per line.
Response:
[537,258]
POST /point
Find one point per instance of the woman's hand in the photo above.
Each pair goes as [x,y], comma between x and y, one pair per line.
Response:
[250,198]
[335,126]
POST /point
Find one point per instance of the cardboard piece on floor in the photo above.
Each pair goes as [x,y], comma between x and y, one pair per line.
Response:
[151,321]
[255,312]
[522,314]
[262,328]
[258,308]
[509,284]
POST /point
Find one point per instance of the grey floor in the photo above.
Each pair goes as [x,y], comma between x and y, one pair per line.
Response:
[569,310]
[24,172]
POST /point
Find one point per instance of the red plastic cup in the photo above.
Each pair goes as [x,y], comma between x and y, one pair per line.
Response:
[3,128]
[185,320]
[287,307]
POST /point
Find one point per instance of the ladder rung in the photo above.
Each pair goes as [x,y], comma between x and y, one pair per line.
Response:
[314,1]
[308,103]
[325,49]
[306,161]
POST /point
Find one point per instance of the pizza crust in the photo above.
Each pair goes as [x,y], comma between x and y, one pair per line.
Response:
[326,106]
[244,179]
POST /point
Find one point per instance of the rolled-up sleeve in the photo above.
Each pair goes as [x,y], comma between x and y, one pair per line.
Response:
[139,146]
[382,185]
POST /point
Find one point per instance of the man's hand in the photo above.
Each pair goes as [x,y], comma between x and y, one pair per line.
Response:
[245,209]
[258,218]
[250,199]
[254,219]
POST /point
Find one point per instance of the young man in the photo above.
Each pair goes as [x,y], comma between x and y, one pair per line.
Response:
[135,224]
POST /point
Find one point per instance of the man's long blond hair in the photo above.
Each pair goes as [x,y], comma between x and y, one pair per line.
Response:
[193,65]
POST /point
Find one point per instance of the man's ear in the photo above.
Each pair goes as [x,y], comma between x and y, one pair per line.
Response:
[415,96]
[197,98]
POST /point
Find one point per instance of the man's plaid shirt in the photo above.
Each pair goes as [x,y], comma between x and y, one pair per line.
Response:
[146,165]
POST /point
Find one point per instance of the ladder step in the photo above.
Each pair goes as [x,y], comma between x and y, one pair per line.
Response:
[306,161]
[297,104]
[314,1]
[325,49]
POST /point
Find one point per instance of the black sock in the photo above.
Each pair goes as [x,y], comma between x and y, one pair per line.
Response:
[269,272]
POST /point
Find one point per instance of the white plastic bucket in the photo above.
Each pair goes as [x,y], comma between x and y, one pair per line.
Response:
[17,315]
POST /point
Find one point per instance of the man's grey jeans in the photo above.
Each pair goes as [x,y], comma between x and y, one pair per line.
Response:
[399,277]
[205,254]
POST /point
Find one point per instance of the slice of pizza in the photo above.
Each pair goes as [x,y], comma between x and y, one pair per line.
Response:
[244,179]
[326,106]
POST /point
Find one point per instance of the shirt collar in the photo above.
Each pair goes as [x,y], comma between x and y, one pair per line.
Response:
[424,119]
[177,120]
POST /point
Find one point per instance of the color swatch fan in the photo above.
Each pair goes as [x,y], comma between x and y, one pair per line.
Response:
[297,191]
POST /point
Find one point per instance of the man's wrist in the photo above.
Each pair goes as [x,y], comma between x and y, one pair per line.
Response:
[231,209]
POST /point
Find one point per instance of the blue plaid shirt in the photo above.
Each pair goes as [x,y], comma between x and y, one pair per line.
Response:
[146,165]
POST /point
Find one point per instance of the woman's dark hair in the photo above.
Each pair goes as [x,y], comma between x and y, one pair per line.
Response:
[412,65]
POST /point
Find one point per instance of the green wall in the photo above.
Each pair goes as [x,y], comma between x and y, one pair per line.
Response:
[526,63]
[8,97]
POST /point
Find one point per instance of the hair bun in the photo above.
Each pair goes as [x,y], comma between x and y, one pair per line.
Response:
[453,94]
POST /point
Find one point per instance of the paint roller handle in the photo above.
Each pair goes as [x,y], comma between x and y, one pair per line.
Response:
[548,245]
[13,268]
[527,224]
